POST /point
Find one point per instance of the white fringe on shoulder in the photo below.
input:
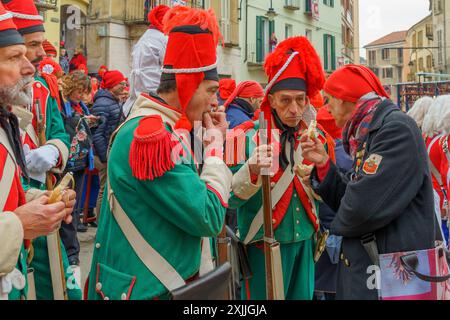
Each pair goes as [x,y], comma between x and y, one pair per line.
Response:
[420,109]
[443,125]
[434,122]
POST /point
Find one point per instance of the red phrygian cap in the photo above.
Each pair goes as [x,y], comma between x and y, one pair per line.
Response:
[352,82]
[191,52]
[293,65]
[25,16]
[8,30]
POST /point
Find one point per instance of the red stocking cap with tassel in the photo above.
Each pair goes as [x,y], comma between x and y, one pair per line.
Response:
[191,52]
[190,58]
[25,16]
[293,65]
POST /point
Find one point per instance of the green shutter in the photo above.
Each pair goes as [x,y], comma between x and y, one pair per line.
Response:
[325,51]
[333,53]
[332,3]
[308,6]
[259,40]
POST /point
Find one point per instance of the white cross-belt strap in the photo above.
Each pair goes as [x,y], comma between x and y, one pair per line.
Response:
[8,171]
[434,170]
[277,193]
[154,262]
[447,154]
[32,134]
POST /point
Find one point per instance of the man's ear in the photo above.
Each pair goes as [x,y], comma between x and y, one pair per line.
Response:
[271,99]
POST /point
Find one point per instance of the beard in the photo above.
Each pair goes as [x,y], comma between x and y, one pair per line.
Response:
[21,94]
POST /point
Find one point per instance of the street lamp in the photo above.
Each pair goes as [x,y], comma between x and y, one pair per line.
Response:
[271,13]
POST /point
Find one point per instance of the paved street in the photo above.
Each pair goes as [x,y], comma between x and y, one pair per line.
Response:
[87,248]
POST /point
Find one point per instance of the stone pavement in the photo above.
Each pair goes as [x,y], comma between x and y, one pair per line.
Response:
[86,251]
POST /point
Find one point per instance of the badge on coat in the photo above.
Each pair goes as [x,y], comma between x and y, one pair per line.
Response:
[372,164]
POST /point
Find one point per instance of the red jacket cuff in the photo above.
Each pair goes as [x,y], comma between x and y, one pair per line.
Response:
[323,171]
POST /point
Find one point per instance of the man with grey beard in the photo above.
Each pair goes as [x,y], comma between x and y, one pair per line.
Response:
[19,94]
[23,216]
[44,153]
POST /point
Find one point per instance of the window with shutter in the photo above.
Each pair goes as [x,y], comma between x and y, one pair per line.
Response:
[325,51]
[259,39]
[333,53]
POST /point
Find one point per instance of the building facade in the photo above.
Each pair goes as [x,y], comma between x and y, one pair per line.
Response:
[420,39]
[440,11]
[386,57]
[65,20]
[115,26]
[350,31]
[264,23]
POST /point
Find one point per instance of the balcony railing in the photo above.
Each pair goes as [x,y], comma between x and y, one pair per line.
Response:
[230,32]
[137,10]
[292,4]
[396,61]
[46,4]
[348,51]
[256,55]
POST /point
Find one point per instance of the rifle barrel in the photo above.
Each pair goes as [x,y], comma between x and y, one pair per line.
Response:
[267,205]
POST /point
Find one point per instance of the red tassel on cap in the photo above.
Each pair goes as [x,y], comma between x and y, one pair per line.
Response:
[151,149]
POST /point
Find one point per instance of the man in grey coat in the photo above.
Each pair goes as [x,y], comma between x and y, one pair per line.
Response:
[388,195]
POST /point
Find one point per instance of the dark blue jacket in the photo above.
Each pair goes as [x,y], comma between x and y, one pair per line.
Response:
[239,111]
[396,203]
[326,268]
[109,109]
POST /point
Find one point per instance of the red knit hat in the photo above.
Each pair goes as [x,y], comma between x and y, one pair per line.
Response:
[317,101]
[49,48]
[246,89]
[25,16]
[328,123]
[226,88]
[191,52]
[352,82]
[50,66]
[111,79]
[84,68]
[156,16]
[293,65]
[102,70]
[8,30]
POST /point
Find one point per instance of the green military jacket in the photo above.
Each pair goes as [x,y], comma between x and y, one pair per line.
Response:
[172,213]
[296,224]
[56,135]
[55,132]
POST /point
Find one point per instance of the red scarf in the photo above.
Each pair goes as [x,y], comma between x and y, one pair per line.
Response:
[77,108]
[357,128]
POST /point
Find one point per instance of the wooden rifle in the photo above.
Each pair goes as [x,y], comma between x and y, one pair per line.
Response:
[224,255]
[53,240]
[272,253]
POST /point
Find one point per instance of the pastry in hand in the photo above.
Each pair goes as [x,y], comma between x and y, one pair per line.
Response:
[302,170]
[312,130]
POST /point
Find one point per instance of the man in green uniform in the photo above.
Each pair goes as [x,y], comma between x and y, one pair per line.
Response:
[295,75]
[22,216]
[167,201]
[42,158]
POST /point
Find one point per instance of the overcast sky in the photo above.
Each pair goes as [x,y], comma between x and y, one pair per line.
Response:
[381,17]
